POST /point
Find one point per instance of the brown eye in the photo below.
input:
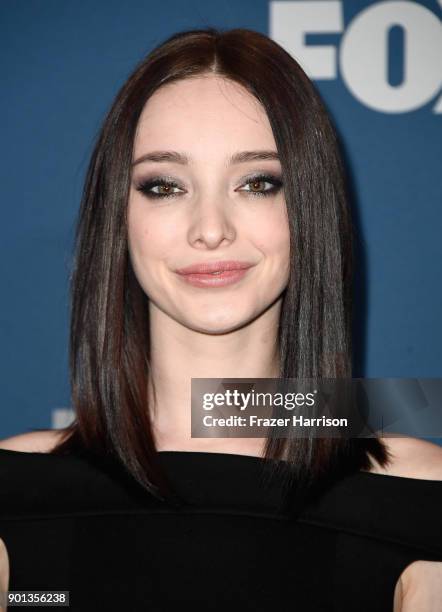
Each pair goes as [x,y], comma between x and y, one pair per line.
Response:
[159,188]
[257,185]
[164,189]
[262,185]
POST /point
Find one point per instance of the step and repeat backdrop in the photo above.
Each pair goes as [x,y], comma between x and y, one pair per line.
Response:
[378,67]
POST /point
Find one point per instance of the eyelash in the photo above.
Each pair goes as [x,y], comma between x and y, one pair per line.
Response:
[145,186]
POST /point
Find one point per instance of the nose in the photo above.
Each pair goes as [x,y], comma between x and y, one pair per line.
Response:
[211,225]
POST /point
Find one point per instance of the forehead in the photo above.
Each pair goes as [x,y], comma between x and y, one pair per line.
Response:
[201,111]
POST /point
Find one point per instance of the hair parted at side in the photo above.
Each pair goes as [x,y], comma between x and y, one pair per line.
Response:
[109,331]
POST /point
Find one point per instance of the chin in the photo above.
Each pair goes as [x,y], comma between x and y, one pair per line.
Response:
[221,324]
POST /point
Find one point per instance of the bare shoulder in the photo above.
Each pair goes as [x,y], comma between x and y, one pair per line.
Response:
[419,587]
[412,458]
[33,442]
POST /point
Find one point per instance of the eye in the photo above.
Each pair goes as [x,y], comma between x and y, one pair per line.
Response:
[262,185]
[164,188]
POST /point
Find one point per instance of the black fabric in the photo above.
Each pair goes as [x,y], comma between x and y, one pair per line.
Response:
[70,523]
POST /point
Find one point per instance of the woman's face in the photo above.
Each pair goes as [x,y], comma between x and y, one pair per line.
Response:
[220,208]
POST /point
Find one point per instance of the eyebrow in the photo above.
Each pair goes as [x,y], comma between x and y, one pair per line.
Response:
[181,158]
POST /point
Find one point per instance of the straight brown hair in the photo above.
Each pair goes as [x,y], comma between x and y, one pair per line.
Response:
[109,364]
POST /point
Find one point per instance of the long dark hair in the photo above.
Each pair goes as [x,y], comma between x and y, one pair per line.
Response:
[109,332]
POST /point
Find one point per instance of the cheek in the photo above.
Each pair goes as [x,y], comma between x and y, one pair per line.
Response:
[272,238]
[150,239]
[147,249]
[272,235]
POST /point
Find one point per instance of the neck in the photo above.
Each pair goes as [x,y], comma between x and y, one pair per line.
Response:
[179,354]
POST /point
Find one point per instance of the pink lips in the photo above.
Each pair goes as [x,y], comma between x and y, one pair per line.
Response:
[214,274]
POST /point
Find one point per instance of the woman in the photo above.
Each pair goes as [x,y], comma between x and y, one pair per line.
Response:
[216,150]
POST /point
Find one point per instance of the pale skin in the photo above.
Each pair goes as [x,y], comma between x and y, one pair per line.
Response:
[227,332]
[207,333]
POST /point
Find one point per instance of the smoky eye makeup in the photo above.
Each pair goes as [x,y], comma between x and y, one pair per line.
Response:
[159,187]
[260,184]
[273,181]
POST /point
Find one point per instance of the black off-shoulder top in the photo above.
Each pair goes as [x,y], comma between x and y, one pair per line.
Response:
[71,524]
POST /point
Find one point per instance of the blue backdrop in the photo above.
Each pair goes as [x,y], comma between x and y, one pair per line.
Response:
[378,66]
